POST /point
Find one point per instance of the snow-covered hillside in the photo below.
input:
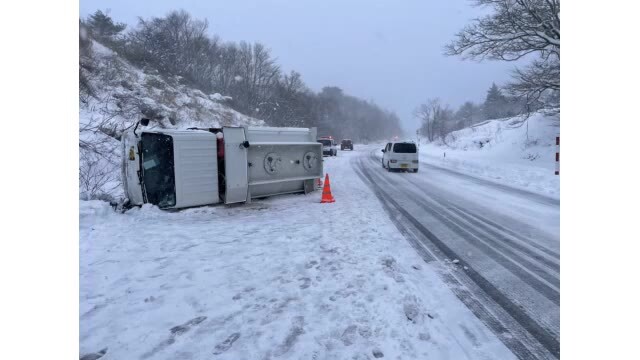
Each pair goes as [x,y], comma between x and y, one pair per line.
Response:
[509,151]
[114,95]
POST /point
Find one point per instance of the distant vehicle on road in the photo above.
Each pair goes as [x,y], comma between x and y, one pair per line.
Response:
[329,146]
[346,144]
[401,155]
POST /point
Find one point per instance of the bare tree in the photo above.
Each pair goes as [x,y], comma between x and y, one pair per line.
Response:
[292,82]
[428,112]
[466,114]
[226,69]
[443,121]
[175,45]
[423,113]
[539,79]
[98,177]
[514,29]
[256,77]
[437,119]
[290,102]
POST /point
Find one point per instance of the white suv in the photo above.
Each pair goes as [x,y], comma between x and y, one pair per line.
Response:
[329,146]
[400,155]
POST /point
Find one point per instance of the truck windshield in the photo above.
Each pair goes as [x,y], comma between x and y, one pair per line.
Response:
[158,175]
[404,148]
[325,142]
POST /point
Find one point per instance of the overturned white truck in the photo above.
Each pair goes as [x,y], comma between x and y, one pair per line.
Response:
[183,168]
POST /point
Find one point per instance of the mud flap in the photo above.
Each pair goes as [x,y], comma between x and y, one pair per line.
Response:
[309,186]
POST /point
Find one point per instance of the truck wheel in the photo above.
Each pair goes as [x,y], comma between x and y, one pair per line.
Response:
[415,170]
[388,167]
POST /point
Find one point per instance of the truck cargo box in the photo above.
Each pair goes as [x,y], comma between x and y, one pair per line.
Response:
[183,168]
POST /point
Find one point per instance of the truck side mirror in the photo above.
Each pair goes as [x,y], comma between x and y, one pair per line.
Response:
[245,144]
[382,150]
[143,122]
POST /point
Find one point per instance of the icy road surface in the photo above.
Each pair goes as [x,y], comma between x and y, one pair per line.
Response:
[500,243]
[285,278]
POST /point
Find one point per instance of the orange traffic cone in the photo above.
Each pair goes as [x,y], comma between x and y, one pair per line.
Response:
[326,191]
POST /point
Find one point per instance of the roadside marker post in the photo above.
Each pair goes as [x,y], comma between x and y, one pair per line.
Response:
[557,155]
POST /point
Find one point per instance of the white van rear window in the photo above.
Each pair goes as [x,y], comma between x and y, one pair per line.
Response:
[404,148]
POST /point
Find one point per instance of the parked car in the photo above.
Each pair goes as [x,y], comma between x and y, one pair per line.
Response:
[329,146]
[346,144]
[401,155]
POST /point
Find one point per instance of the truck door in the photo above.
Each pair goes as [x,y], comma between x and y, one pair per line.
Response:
[235,164]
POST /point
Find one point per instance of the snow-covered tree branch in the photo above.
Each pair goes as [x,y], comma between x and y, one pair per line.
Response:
[515,29]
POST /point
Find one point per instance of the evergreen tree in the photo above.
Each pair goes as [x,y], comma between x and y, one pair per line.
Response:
[465,114]
[103,27]
[495,103]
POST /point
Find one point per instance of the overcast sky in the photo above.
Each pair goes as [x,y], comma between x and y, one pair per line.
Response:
[390,52]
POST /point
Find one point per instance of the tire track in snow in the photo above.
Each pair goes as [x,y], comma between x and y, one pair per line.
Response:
[462,292]
[487,224]
[532,274]
[542,335]
[524,266]
[501,187]
[511,233]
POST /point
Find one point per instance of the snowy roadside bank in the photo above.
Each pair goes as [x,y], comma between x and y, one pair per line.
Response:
[283,277]
[541,180]
[503,151]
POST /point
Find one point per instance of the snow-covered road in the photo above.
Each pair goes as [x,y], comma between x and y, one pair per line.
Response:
[496,246]
[288,277]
